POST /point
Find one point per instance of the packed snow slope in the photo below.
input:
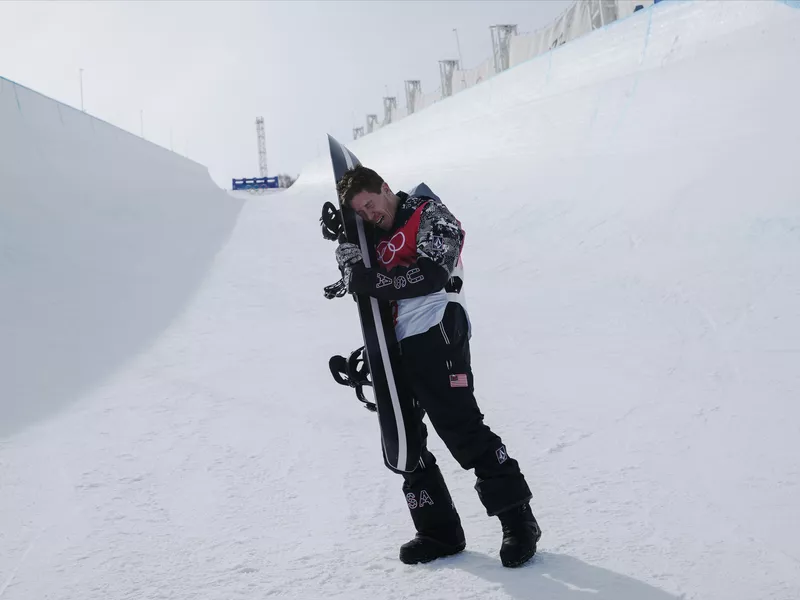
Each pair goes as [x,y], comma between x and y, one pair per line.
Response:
[103,237]
[633,277]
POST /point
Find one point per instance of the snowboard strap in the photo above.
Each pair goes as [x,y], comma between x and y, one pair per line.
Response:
[335,290]
[333,229]
[353,372]
[331,222]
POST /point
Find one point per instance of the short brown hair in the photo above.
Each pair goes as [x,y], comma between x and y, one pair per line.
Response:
[356,180]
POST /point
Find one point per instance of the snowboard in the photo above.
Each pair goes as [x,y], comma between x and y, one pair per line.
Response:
[393,402]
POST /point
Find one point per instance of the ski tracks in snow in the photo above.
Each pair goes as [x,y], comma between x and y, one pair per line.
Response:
[21,560]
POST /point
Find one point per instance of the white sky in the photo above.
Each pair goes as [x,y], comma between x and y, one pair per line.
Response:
[202,71]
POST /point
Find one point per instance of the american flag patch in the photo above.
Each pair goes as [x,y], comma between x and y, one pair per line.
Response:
[458,381]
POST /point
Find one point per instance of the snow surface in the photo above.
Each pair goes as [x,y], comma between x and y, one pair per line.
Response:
[103,239]
[633,235]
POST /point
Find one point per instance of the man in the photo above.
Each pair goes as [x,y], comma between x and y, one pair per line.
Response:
[419,244]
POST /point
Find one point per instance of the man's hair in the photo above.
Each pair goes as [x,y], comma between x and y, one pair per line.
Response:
[356,180]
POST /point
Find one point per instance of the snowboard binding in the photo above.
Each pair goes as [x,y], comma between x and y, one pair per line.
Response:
[331,223]
[335,290]
[353,372]
[333,229]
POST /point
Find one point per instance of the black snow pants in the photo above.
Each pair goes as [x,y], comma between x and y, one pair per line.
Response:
[437,366]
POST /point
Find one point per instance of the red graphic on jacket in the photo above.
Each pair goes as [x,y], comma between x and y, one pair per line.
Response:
[400,250]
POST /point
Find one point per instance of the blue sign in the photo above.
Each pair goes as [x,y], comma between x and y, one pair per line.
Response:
[255,183]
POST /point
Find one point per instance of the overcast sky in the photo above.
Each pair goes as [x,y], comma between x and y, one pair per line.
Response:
[201,72]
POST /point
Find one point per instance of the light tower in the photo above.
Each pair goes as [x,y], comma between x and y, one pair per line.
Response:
[446,69]
[501,40]
[413,90]
[372,120]
[389,104]
[262,147]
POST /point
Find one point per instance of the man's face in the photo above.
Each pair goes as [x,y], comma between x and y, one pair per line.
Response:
[374,208]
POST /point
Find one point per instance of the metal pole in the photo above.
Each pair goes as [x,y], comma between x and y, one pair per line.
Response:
[458,45]
[82,109]
[460,60]
[494,48]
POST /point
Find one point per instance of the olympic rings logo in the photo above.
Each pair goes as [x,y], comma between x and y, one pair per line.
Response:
[394,246]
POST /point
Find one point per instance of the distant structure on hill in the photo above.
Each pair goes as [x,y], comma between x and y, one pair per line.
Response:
[259,184]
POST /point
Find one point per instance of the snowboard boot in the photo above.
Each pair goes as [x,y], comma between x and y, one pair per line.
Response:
[520,534]
[439,531]
[427,547]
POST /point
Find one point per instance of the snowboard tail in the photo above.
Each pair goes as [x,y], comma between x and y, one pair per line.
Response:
[397,415]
